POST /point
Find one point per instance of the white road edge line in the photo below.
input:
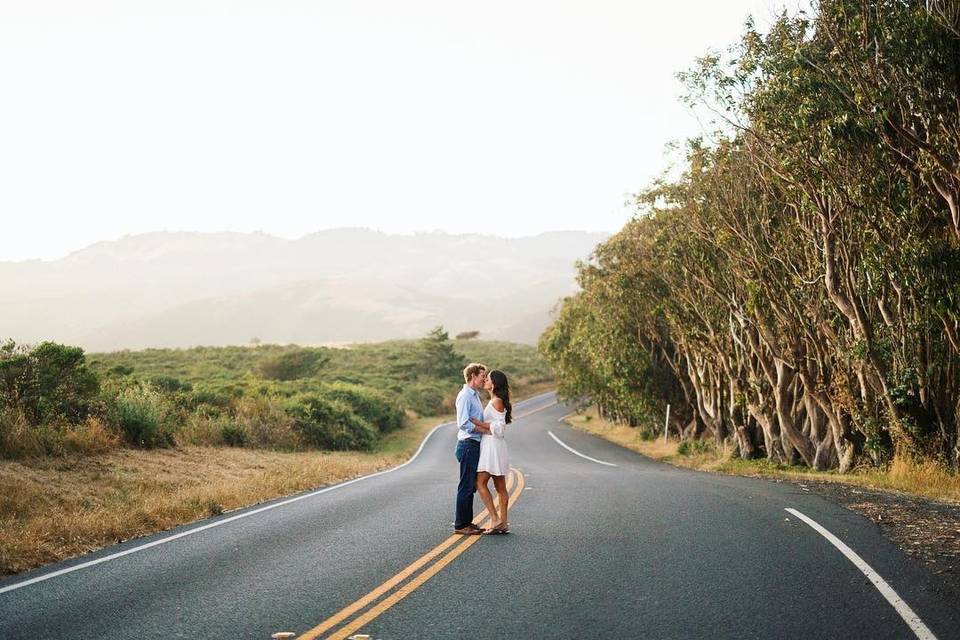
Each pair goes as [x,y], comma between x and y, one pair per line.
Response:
[562,418]
[574,451]
[182,534]
[911,618]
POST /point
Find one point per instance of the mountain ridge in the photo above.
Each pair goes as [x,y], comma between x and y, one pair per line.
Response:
[181,288]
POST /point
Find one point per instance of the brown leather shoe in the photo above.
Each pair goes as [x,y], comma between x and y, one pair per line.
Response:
[468,531]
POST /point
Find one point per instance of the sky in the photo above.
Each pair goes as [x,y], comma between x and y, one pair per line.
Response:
[291,116]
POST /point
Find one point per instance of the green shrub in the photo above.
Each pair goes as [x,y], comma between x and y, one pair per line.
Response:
[331,424]
[427,399]
[214,398]
[170,384]
[120,370]
[369,404]
[142,412]
[302,363]
[233,435]
[48,382]
[692,447]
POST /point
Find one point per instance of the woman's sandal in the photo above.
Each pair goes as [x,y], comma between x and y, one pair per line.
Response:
[500,530]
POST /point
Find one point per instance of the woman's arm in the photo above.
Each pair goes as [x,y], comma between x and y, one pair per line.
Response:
[480,426]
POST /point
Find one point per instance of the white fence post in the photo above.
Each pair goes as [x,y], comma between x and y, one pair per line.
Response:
[666,423]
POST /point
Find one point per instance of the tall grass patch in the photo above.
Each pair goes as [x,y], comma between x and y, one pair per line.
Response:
[143,414]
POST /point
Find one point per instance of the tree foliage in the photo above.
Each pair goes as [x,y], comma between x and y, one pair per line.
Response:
[797,289]
[47,382]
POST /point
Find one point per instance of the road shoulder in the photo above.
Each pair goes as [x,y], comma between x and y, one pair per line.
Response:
[924,528]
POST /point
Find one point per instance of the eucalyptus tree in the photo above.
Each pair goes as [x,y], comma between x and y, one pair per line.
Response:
[800,281]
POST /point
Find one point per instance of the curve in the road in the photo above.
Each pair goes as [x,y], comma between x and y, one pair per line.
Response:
[245,514]
[902,608]
[575,452]
[637,550]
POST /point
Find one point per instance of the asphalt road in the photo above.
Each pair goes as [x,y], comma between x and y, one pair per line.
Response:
[635,550]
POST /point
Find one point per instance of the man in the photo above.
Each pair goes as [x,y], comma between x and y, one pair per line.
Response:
[470,427]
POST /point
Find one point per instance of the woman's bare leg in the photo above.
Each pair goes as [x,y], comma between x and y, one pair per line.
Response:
[500,483]
[482,478]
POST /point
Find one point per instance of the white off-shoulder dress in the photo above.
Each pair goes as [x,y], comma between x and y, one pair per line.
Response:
[493,446]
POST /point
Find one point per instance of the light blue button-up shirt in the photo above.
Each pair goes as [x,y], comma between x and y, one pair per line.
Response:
[468,406]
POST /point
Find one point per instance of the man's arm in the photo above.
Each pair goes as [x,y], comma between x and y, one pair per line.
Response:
[464,423]
[479,426]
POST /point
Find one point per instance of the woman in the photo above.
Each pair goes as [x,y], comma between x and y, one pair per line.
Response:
[493,450]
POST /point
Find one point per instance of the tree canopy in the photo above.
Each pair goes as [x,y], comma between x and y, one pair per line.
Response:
[797,289]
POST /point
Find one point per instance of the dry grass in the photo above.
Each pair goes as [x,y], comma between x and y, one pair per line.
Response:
[55,508]
[926,479]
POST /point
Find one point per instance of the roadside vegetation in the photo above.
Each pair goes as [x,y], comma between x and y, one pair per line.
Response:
[107,447]
[915,477]
[794,293]
[56,400]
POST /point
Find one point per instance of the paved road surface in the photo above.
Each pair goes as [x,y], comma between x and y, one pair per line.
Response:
[615,546]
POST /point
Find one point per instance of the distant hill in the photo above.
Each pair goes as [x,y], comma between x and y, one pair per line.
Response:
[182,289]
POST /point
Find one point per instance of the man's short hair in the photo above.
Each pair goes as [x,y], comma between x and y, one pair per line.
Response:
[473,369]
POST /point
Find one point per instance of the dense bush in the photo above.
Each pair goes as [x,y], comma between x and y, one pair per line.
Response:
[233,435]
[170,384]
[215,399]
[48,382]
[47,399]
[426,398]
[693,447]
[301,363]
[330,424]
[369,404]
[142,413]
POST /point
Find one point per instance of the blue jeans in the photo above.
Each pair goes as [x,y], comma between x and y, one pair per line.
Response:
[468,454]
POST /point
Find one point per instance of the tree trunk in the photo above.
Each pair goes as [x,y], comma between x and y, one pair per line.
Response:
[783,397]
[739,423]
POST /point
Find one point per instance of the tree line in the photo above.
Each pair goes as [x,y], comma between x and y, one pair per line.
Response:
[795,290]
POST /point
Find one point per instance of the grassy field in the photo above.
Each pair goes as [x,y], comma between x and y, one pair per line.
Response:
[400,367]
[922,479]
[56,400]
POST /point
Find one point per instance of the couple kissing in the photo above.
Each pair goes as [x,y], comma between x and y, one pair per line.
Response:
[482,449]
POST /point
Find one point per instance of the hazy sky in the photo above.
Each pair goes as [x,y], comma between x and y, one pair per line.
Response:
[290,116]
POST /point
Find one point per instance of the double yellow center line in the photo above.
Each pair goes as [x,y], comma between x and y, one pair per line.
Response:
[459,544]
